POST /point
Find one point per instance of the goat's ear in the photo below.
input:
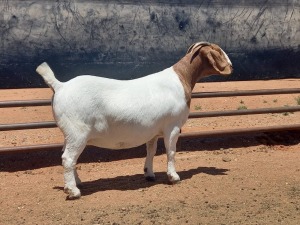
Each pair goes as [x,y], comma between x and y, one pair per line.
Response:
[218,62]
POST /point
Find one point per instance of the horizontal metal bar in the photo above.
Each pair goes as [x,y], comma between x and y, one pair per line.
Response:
[245,93]
[244,112]
[27,148]
[25,103]
[200,134]
[25,126]
[46,102]
[240,131]
[52,124]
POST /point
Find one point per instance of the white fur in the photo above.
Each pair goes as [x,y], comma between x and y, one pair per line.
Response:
[117,114]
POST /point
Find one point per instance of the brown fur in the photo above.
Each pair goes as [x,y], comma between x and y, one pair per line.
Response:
[200,61]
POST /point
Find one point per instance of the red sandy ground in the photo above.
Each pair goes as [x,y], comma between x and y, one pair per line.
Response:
[252,179]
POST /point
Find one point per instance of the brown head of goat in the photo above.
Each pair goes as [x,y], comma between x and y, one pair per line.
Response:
[202,59]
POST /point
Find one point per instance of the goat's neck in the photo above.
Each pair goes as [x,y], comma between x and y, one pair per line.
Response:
[189,73]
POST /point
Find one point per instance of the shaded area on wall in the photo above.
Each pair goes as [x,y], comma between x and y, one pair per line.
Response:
[126,39]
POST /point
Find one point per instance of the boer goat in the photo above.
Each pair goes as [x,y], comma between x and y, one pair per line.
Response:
[117,114]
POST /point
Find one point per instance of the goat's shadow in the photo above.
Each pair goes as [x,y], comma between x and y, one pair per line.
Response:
[23,161]
[137,181]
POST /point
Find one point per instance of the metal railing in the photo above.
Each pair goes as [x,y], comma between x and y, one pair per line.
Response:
[238,131]
[25,103]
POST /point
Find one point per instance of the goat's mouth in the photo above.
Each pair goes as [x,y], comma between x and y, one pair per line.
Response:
[231,70]
[227,71]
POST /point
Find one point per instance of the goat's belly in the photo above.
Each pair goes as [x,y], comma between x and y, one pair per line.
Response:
[114,144]
[122,140]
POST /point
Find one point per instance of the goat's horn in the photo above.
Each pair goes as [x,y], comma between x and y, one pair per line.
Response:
[203,43]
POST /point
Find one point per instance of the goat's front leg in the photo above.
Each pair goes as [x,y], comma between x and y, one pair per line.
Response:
[170,140]
[148,167]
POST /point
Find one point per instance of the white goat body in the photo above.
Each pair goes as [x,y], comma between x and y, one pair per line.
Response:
[119,114]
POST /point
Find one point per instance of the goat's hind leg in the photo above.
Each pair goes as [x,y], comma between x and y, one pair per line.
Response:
[148,167]
[72,151]
[77,179]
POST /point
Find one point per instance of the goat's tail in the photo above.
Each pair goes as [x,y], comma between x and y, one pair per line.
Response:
[45,71]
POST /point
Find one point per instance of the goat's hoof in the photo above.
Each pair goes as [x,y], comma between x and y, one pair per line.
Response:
[72,194]
[150,178]
[73,197]
[174,179]
[175,182]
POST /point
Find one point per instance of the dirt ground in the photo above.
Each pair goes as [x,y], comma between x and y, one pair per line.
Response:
[253,179]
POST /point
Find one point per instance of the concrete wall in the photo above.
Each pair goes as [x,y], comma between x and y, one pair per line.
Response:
[126,39]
